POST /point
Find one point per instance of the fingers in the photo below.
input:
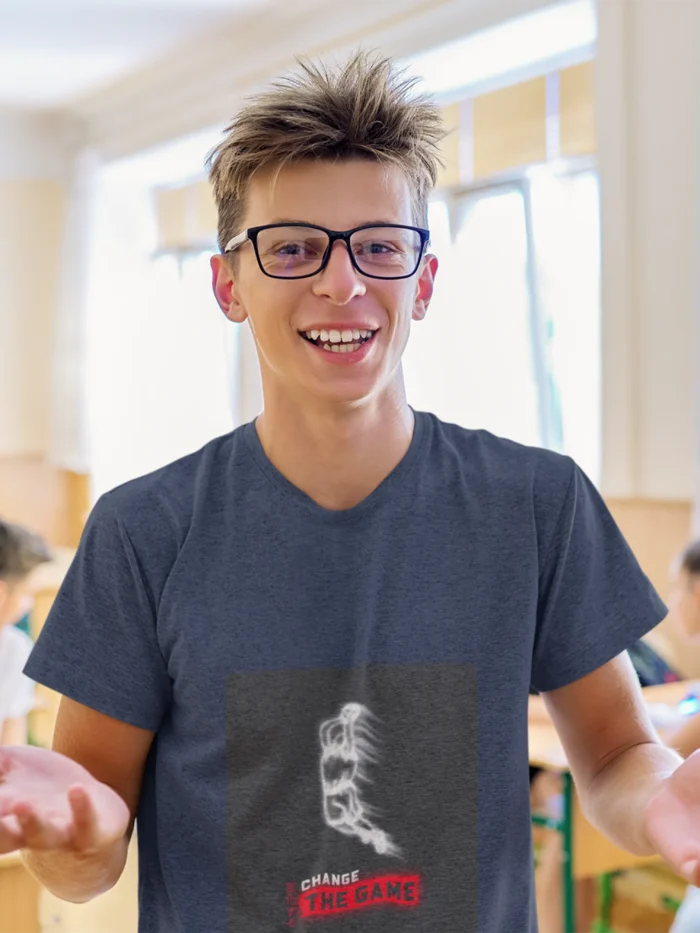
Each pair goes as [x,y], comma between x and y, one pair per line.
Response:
[24,825]
[85,834]
[38,832]
[10,835]
[690,869]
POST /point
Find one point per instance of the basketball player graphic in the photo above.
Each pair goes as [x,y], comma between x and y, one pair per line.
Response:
[347,745]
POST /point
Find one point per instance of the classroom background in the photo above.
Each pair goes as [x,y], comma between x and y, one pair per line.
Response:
[566,313]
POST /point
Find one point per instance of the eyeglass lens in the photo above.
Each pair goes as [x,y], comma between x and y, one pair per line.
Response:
[385,252]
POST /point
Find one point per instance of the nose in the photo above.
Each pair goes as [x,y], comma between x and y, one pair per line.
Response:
[340,281]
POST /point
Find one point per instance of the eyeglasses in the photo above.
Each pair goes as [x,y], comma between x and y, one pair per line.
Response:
[297,251]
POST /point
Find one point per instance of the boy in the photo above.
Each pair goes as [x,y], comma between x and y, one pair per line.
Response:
[20,552]
[302,655]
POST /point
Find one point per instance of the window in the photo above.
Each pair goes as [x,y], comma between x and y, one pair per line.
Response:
[511,341]
[162,360]
[566,246]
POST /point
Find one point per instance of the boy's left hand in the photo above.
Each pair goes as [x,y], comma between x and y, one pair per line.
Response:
[672,820]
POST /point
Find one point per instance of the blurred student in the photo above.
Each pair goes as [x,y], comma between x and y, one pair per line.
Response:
[684,598]
[20,552]
[684,604]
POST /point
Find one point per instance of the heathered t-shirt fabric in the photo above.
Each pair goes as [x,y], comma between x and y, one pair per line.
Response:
[340,697]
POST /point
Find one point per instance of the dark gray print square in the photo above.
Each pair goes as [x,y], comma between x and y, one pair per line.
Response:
[352,800]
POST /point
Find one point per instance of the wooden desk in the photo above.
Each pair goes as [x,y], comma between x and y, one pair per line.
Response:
[19,897]
[587,853]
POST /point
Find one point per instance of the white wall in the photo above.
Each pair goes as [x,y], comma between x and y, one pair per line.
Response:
[33,145]
[649,124]
[33,159]
[204,83]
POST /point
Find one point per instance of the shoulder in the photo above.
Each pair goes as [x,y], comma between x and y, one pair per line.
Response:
[167,497]
[505,464]
[141,526]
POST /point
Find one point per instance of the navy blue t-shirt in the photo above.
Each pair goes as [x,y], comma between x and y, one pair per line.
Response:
[340,697]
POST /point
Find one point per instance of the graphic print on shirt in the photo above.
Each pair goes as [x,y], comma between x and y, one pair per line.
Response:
[332,770]
[348,745]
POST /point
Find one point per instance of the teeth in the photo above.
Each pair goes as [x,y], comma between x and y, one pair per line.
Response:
[342,347]
[346,337]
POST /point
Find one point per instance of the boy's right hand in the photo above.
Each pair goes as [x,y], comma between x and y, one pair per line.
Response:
[49,802]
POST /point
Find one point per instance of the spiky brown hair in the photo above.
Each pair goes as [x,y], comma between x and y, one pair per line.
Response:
[365,109]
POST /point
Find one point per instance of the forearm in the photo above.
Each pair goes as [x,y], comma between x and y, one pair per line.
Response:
[616,799]
[78,878]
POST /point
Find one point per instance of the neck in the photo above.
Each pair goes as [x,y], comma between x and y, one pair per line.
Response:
[337,454]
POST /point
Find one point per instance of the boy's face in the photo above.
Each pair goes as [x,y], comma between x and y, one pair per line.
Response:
[684,603]
[16,599]
[339,196]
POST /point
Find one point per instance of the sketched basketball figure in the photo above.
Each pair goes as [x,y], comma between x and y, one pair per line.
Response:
[347,745]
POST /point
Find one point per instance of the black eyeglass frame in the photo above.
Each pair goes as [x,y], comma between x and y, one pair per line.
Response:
[251,234]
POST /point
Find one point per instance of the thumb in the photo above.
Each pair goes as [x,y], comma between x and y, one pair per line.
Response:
[689,870]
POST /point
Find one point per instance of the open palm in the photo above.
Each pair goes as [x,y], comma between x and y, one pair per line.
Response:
[48,801]
[672,820]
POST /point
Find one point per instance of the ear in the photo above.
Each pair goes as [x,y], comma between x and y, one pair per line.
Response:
[426,283]
[4,592]
[223,283]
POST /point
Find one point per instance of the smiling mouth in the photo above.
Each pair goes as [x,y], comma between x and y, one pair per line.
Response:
[336,341]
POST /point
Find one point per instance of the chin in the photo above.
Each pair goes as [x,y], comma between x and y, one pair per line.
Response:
[350,397]
[346,391]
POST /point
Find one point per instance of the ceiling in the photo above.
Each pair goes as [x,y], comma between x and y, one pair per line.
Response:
[52,52]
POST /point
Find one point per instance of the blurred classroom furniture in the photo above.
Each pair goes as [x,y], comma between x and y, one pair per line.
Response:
[49,499]
[113,912]
[19,897]
[587,853]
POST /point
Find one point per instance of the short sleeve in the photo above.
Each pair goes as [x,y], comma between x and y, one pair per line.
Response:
[19,690]
[99,644]
[594,599]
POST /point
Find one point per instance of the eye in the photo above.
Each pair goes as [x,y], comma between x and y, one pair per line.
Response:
[376,248]
[287,249]
[296,249]
[380,252]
